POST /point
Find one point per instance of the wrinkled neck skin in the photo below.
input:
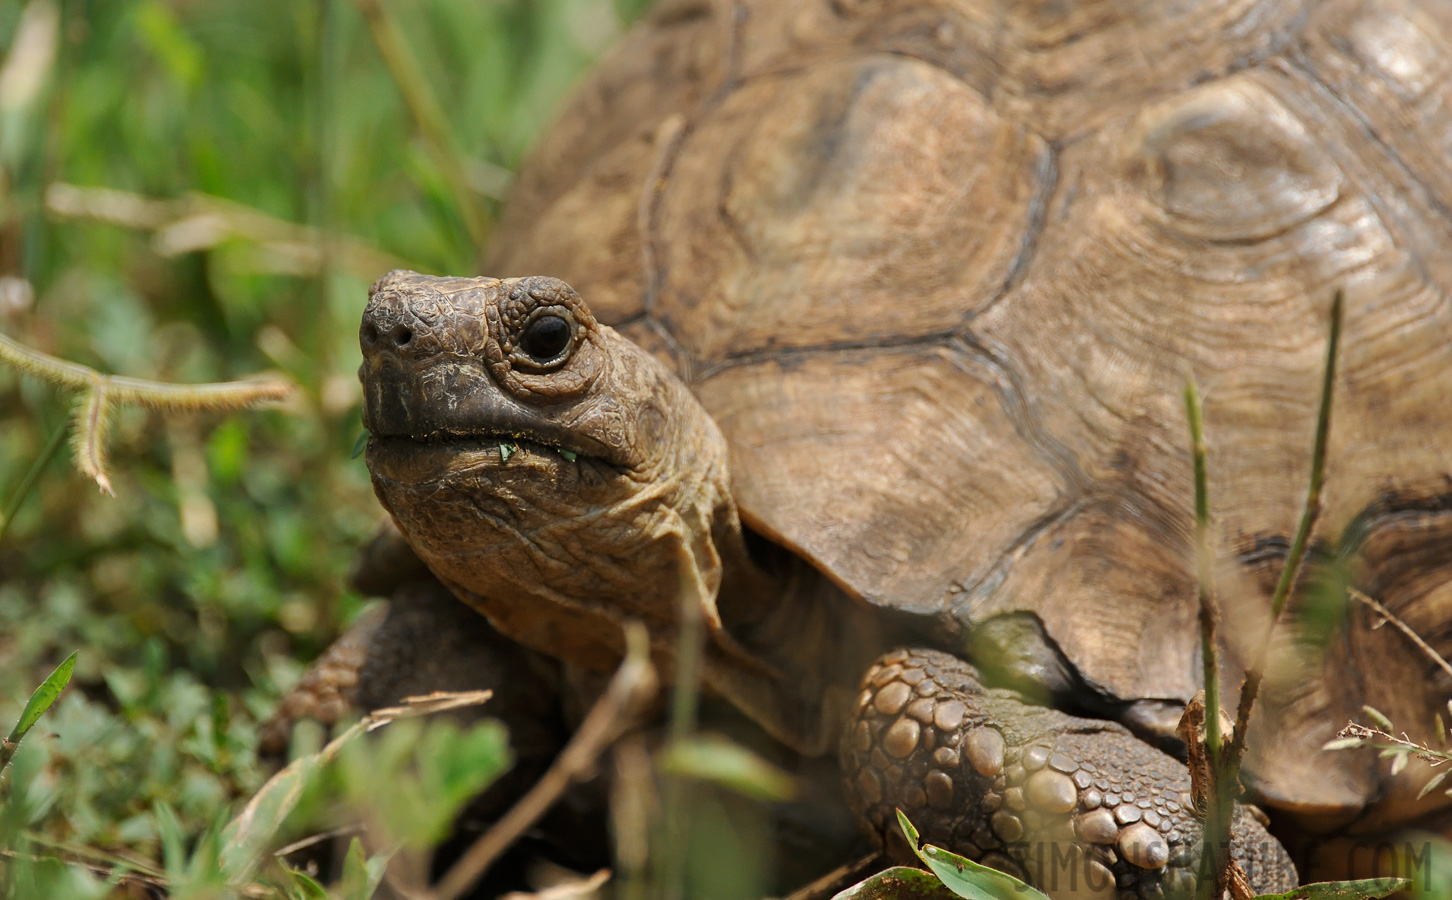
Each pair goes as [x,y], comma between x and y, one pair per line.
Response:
[610,500]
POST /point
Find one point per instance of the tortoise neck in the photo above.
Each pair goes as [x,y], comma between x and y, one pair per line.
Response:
[808,640]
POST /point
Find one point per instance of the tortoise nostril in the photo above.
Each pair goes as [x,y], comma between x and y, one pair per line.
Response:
[403,336]
[370,333]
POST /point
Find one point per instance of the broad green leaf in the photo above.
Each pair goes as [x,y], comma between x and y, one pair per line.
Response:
[716,759]
[416,777]
[965,877]
[1365,889]
[898,883]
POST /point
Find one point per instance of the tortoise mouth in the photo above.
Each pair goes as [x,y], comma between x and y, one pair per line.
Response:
[462,450]
[449,406]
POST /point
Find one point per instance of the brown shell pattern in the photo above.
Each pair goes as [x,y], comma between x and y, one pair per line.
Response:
[939,269]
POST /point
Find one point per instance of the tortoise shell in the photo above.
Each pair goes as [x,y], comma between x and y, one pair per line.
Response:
[939,270]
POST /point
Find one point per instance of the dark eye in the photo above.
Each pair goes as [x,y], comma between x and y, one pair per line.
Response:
[545,338]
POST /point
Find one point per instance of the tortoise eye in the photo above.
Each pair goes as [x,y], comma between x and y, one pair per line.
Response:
[545,338]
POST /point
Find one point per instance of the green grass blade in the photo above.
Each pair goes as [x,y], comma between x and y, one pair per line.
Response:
[28,482]
[40,701]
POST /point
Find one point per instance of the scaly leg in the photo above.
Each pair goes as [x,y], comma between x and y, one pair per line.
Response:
[1077,807]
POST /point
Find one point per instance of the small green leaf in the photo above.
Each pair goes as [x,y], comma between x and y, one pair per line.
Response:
[1379,718]
[44,696]
[715,759]
[506,451]
[1431,785]
[965,877]
[1345,743]
[1398,764]
[898,883]
[361,876]
[35,707]
[1365,889]
[304,886]
[360,444]
[568,454]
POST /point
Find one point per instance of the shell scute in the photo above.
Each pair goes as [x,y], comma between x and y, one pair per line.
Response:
[845,203]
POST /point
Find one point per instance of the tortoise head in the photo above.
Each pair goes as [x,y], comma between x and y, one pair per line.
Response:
[552,473]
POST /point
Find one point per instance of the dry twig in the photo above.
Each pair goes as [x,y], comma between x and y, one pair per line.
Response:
[632,687]
[1388,616]
[100,394]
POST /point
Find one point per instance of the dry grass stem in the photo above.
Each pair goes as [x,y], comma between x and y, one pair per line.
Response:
[100,394]
[423,705]
[634,804]
[270,806]
[199,222]
[569,890]
[315,839]
[633,685]
[1389,616]
[151,885]
[1366,736]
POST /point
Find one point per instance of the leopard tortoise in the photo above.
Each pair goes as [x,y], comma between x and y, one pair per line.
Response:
[864,323]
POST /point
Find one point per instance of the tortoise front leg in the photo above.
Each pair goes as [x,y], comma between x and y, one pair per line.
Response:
[1075,806]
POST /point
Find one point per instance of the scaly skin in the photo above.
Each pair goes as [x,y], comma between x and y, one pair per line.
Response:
[1076,806]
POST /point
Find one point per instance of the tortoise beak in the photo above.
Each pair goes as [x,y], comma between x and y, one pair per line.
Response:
[448,398]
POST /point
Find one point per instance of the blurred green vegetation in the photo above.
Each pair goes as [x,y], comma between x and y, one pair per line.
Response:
[270,170]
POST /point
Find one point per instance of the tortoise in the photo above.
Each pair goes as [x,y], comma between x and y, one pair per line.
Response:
[864,322]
